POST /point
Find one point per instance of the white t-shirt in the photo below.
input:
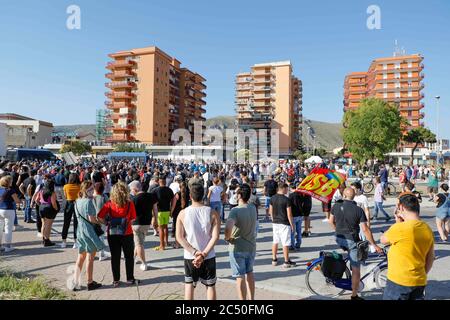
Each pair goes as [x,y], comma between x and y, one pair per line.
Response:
[216,192]
[175,186]
[362,201]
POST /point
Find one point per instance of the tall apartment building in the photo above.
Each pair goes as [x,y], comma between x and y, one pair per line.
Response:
[270,97]
[151,95]
[396,80]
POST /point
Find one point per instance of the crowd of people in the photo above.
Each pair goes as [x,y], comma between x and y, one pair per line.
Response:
[112,206]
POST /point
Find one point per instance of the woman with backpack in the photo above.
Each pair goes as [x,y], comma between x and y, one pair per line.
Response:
[118,214]
[48,209]
[88,241]
[8,199]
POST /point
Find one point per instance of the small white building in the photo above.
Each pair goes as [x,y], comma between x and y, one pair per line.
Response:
[24,132]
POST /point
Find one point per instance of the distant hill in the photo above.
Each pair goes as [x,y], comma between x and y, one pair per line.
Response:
[221,122]
[328,135]
[78,128]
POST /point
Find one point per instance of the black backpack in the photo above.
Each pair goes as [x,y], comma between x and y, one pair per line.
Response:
[333,265]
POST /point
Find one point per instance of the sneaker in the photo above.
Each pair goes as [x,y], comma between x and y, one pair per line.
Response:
[143,267]
[75,246]
[133,282]
[356,298]
[63,245]
[93,285]
[9,249]
[39,235]
[289,264]
[274,262]
[48,243]
[31,221]
[116,284]
[104,256]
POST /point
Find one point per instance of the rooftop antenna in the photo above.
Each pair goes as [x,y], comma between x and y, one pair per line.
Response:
[397,51]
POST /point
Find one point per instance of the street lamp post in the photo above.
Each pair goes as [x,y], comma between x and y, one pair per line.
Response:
[438,149]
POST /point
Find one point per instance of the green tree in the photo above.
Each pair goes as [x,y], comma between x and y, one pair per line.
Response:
[77,147]
[244,154]
[298,154]
[419,136]
[125,147]
[373,129]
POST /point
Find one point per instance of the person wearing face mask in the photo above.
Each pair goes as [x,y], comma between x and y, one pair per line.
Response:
[71,190]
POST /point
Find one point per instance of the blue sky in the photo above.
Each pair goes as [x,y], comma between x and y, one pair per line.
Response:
[55,74]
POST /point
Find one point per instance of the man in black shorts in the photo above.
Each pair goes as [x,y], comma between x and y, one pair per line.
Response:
[197,231]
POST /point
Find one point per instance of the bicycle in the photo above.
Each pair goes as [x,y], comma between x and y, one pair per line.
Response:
[324,287]
[390,189]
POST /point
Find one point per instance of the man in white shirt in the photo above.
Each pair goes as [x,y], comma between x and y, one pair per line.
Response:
[175,185]
[362,202]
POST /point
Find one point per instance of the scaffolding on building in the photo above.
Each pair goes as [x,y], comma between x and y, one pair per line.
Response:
[103,121]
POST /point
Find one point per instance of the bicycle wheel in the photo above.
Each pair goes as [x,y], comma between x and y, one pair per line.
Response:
[368,187]
[380,277]
[320,286]
[392,190]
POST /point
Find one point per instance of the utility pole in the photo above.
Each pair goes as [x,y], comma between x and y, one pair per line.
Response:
[438,147]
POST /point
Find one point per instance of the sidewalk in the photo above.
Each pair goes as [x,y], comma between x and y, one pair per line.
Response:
[165,279]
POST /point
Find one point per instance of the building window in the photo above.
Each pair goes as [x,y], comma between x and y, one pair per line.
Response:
[385,85]
[409,93]
[409,64]
[397,65]
[384,66]
[385,95]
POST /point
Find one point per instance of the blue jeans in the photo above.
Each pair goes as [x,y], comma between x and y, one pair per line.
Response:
[242,263]
[379,207]
[394,291]
[28,210]
[296,234]
[349,246]
[217,206]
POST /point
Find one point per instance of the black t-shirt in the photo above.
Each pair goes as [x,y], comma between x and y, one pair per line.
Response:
[348,215]
[306,204]
[164,196]
[296,204]
[271,187]
[280,203]
[114,177]
[143,203]
[29,181]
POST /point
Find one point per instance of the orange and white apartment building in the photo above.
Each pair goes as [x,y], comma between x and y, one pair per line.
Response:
[150,95]
[270,97]
[396,80]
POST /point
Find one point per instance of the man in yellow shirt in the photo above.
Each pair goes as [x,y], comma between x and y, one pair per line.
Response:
[411,255]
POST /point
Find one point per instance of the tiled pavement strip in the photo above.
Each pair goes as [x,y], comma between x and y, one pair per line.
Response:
[163,281]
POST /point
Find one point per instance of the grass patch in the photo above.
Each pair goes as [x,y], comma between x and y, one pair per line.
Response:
[14,286]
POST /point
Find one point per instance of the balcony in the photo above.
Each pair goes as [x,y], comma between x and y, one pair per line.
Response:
[120,84]
[264,97]
[128,127]
[266,88]
[117,116]
[264,80]
[120,139]
[120,64]
[117,95]
[120,74]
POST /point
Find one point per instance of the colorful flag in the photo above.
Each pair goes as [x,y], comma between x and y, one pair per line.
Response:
[321,184]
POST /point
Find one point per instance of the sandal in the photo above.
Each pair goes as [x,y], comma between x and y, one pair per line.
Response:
[158,248]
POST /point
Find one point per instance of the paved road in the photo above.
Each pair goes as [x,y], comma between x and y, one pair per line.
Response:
[164,280]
